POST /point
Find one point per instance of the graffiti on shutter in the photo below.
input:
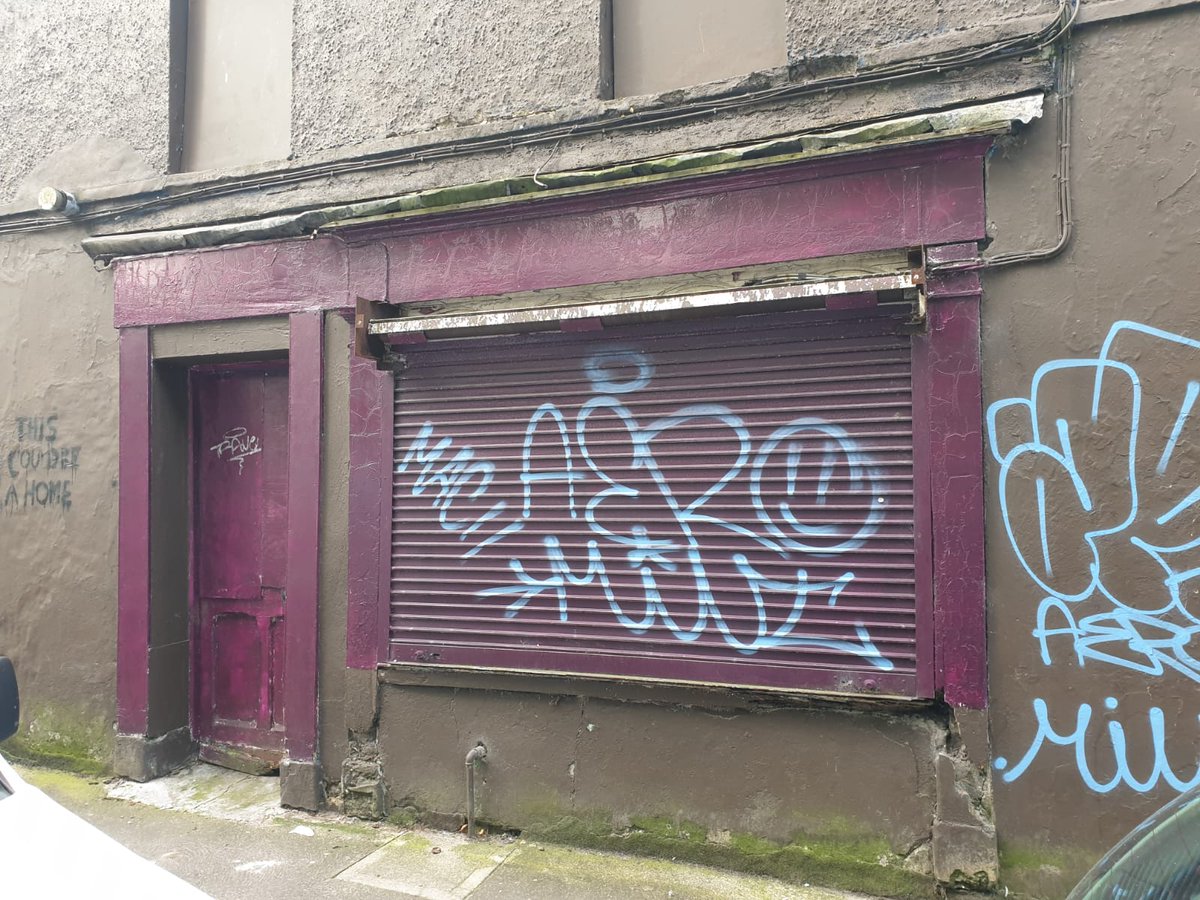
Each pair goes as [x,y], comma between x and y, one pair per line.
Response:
[730,504]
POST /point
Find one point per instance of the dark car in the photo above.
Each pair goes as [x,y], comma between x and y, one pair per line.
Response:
[1158,860]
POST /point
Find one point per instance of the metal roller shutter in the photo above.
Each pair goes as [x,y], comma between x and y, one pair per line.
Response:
[723,500]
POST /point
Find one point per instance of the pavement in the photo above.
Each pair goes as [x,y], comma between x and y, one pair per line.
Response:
[226,833]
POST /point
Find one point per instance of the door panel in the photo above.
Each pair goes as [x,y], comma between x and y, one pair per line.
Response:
[235,642]
[239,553]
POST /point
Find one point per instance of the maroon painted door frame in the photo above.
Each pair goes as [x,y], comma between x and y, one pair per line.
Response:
[918,196]
[949,355]
[306,367]
[136,544]
[133,534]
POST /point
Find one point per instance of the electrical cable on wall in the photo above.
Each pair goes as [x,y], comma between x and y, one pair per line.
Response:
[1066,224]
[950,60]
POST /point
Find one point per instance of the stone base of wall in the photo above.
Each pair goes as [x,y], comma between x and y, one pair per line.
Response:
[839,795]
[300,785]
[364,794]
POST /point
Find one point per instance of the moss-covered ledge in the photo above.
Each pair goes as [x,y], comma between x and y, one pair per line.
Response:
[55,737]
[847,861]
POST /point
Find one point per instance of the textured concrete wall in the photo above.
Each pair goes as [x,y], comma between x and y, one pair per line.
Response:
[58,490]
[769,773]
[659,45]
[366,70]
[84,87]
[859,28]
[1133,258]
[83,91]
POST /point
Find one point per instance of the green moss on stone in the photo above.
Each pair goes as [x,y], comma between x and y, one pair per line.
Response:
[64,785]
[201,790]
[416,841]
[751,845]
[1026,858]
[668,829]
[1027,870]
[859,863]
[60,738]
[975,881]
[403,816]
[575,831]
[636,876]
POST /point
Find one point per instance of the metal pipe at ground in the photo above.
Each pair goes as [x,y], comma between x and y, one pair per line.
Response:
[475,754]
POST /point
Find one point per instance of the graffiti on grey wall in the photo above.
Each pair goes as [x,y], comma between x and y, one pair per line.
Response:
[597,492]
[36,468]
[1099,494]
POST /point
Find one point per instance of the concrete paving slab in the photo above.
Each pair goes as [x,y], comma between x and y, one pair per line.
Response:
[547,872]
[429,865]
[208,790]
[226,858]
[228,836]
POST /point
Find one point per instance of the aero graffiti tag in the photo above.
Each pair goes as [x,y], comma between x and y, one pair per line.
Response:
[1100,498]
[585,472]
[36,471]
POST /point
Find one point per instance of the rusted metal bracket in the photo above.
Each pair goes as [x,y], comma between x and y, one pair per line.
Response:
[918,321]
[367,345]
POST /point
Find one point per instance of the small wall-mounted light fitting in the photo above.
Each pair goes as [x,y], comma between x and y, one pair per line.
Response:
[53,200]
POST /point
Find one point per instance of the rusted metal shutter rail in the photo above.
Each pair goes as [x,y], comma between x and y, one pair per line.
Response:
[727,501]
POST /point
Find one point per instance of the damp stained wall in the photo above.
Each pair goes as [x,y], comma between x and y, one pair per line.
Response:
[84,100]
[58,490]
[335,505]
[767,771]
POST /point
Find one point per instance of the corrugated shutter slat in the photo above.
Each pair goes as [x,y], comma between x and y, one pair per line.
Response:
[723,501]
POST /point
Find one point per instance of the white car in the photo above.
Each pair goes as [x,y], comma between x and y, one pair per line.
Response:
[47,851]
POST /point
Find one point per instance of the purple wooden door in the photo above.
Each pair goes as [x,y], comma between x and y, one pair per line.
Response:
[239,562]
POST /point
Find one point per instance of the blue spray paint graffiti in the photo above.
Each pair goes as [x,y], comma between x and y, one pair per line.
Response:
[1114,535]
[598,495]
[1080,741]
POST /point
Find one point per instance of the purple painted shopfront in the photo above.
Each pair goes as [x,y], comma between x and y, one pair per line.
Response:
[782,494]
